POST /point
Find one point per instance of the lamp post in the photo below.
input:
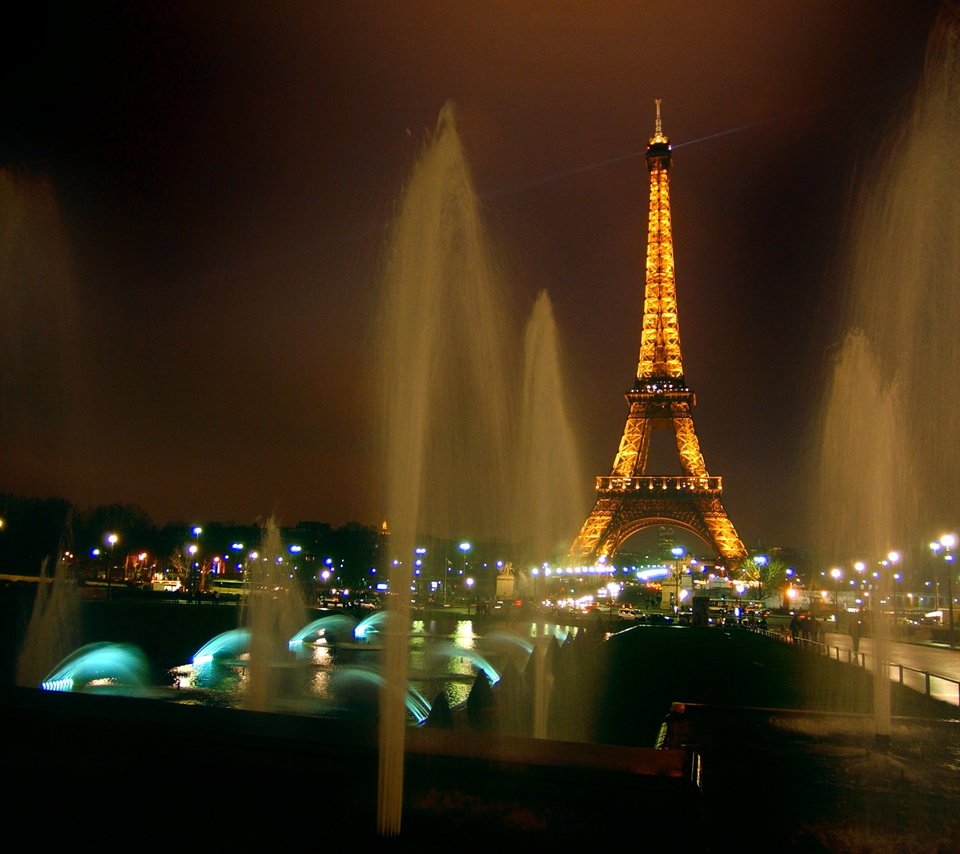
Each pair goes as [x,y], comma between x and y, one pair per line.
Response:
[111,540]
[888,586]
[760,561]
[420,569]
[194,582]
[836,573]
[946,544]
[861,569]
[196,577]
[465,548]
[678,552]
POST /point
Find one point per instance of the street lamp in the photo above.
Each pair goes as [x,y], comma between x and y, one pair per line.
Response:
[836,573]
[885,585]
[193,580]
[860,568]
[419,563]
[111,540]
[613,591]
[760,561]
[678,552]
[946,544]
[465,548]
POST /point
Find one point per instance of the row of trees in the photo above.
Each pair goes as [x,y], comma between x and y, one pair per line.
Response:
[35,532]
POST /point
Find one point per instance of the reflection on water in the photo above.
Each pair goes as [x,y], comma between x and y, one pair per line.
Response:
[339,672]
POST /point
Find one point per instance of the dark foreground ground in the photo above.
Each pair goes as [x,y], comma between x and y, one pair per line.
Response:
[700,739]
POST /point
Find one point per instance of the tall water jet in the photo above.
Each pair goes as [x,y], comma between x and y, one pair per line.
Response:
[54,628]
[889,460]
[467,451]
[45,400]
[447,409]
[549,486]
[868,489]
[904,271]
[274,613]
[868,495]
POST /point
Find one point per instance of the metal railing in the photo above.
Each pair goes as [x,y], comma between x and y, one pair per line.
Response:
[914,678]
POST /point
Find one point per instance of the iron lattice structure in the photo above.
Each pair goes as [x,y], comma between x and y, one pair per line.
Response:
[629,500]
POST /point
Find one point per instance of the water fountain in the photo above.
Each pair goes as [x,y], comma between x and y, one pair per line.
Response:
[227,645]
[550,484]
[45,387]
[53,630]
[469,450]
[109,664]
[273,614]
[889,462]
[459,439]
[452,451]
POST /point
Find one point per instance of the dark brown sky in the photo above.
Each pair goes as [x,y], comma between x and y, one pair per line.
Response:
[197,193]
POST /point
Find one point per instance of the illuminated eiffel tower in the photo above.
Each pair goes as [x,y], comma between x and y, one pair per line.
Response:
[629,500]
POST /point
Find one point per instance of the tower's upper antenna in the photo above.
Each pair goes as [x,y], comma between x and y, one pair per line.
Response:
[658,138]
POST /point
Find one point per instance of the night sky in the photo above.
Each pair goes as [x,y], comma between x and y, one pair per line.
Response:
[195,198]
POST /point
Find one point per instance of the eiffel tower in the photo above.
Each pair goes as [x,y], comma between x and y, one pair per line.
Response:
[629,500]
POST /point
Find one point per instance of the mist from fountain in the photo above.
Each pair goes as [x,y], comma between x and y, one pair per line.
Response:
[889,461]
[48,390]
[451,413]
[54,627]
[273,614]
[549,482]
[868,492]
